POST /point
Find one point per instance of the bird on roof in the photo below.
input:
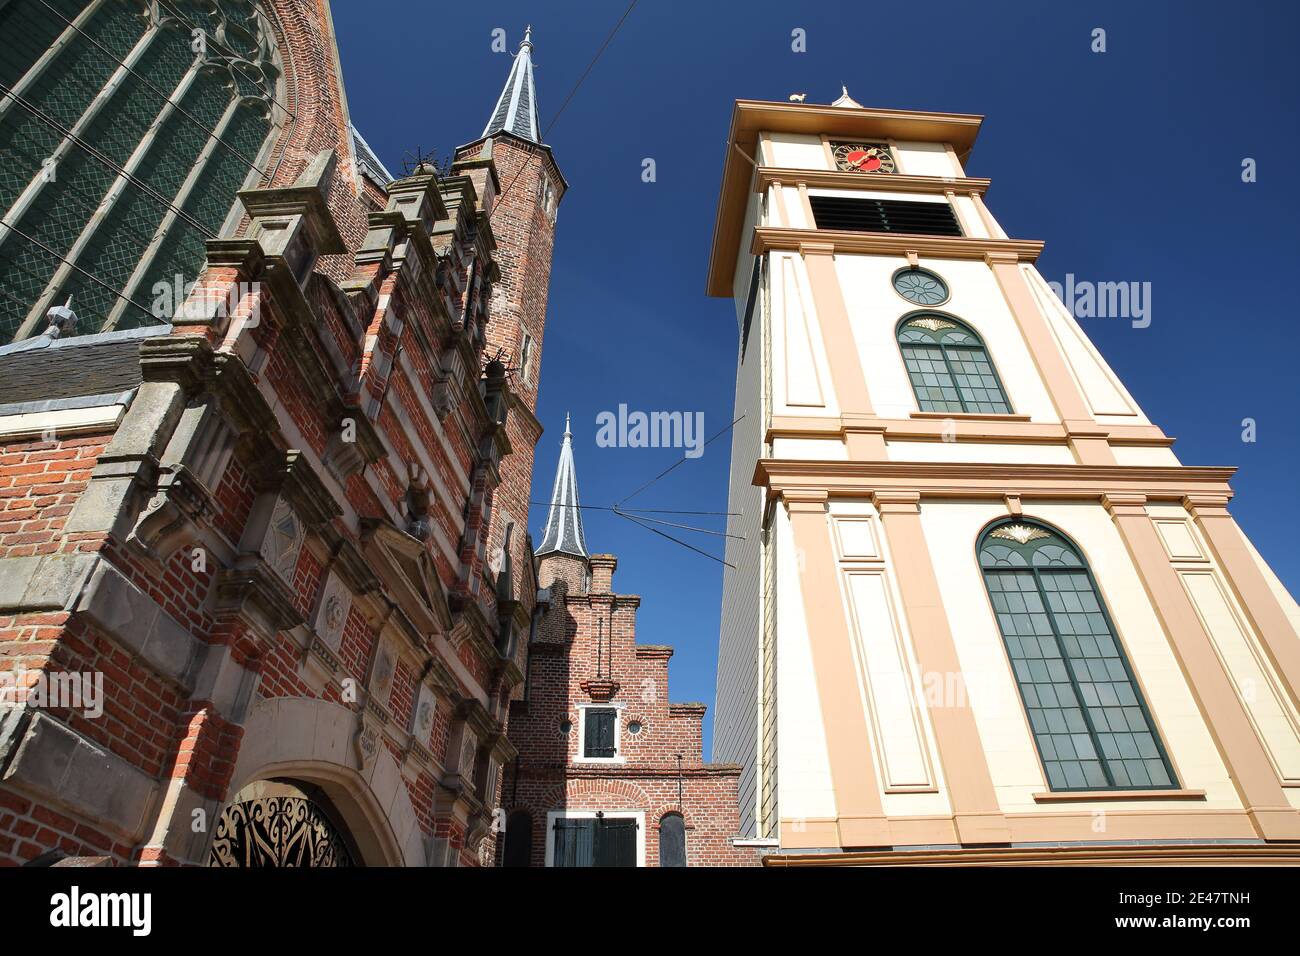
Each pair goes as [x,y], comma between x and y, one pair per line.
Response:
[798,97]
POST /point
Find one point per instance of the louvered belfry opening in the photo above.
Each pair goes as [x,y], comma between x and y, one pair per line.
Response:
[885,215]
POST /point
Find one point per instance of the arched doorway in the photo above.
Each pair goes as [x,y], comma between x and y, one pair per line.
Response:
[274,823]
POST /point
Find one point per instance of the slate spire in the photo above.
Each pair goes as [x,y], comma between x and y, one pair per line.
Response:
[563,534]
[516,109]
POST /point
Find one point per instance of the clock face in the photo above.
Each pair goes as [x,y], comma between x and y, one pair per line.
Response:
[864,157]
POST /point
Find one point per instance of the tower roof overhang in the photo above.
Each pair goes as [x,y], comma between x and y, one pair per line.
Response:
[750,117]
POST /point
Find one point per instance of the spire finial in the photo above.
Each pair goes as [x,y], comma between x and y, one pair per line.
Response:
[846,100]
[516,109]
[566,425]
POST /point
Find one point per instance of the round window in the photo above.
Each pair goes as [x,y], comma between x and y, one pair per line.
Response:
[566,727]
[920,286]
[635,727]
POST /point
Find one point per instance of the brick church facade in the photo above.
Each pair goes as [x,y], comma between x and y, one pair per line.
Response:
[264,561]
[609,771]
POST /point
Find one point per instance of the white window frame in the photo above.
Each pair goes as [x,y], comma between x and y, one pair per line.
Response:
[618,734]
[637,815]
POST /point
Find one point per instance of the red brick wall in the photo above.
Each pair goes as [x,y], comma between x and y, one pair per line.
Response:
[571,649]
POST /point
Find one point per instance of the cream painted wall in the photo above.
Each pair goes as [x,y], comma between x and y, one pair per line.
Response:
[875,308]
[951,530]
[969,216]
[813,449]
[1236,643]
[735,714]
[805,789]
[801,379]
[925,159]
[1106,396]
[792,211]
[794,151]
[979,452]
[1144,455]
[890,678]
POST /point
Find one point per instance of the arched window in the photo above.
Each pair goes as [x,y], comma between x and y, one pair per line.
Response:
[672,840]
[949,367]
[129,130]
[1085,708]
[519,839]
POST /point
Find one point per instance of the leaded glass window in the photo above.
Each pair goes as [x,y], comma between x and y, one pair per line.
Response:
[949,367]
[920,286]
[127,127]
[1086,710]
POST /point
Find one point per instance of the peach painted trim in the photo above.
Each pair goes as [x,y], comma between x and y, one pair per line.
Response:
[829,153]
[837,334]
[1267,617]
[957,169]
[960,216]
[976,814]
[1051,362]
[1226,717]
[778,190]
[890,244]
[1181,856]
[990,223]
[990,480]
[971,426]
[897,156]
[1075,825]
[806,204]
[897,182]
[852,768]
[970,416]
[1113,795]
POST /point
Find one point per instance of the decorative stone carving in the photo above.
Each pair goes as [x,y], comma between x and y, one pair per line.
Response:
[367,742]
[426,709]
[1020,533]
[283,541]
[381,678]
[468,755]
[332,612]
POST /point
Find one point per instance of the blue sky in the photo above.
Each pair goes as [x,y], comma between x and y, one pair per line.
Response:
[1128,164]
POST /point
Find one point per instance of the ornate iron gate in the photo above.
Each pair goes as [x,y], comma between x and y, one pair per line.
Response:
[277,831]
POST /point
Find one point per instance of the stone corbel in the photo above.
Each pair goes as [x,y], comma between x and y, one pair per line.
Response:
[353,444]
[293,224]
[173,517]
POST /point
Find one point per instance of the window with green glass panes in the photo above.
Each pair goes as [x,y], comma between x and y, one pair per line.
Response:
[126,142]
[948,366]
[1089,720]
